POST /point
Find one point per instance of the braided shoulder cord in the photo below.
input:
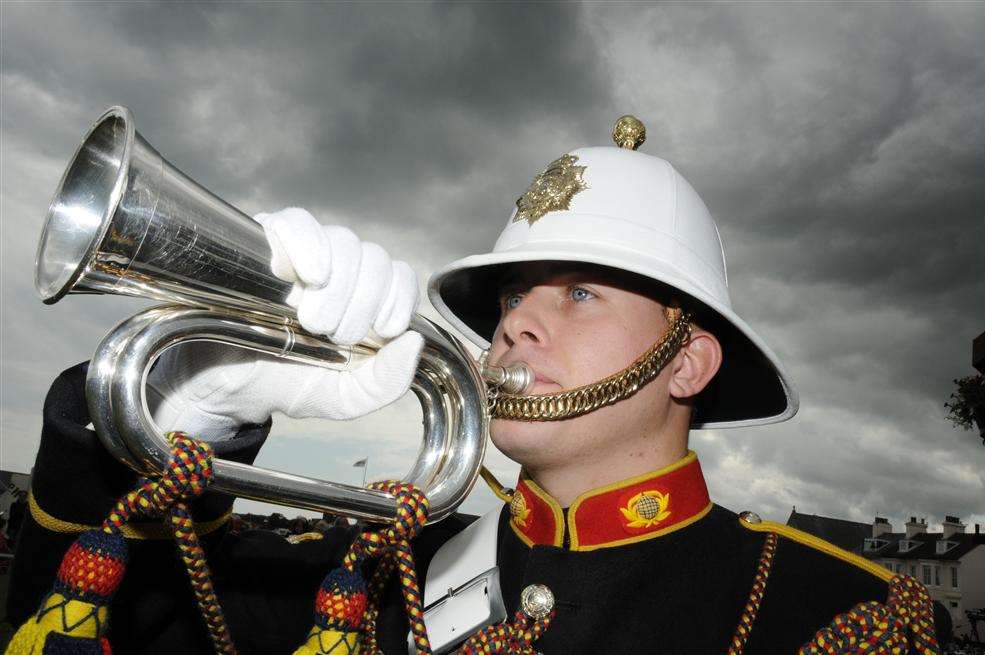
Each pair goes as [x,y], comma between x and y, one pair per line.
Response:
[392,544]
[188,474]
[904,624]
[755,599]
[515,637]
[76,612]
[347,610]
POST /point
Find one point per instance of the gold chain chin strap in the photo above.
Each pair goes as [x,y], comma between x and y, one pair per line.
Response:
[616,387]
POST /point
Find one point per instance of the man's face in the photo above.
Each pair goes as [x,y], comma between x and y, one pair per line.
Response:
[575,324]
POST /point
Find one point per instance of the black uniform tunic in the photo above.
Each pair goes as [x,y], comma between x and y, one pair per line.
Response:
[679,592]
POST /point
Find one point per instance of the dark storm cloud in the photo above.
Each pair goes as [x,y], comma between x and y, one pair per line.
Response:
[841,148]
[357,108]
[843,153]
[848,144]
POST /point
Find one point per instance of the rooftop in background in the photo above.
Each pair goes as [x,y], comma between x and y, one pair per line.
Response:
[924,546]
[876,540]
[848,535]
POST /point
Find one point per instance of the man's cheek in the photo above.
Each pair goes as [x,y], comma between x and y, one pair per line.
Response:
[496,347]
[495,352]
[591,364]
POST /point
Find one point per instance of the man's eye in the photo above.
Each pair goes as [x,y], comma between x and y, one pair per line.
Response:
[512,301]
[578,294]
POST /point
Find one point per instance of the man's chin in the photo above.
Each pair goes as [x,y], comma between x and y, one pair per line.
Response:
[527,442]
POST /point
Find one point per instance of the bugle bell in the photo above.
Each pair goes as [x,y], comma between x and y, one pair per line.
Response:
[124,220]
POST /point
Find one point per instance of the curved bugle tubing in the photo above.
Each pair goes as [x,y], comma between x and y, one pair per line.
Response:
[125,221]
[452,399]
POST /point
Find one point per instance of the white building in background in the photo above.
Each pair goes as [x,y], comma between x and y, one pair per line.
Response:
[950,563]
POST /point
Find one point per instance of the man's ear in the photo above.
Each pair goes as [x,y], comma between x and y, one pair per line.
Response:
[695,365]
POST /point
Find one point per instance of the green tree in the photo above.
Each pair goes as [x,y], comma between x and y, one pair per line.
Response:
[967,406]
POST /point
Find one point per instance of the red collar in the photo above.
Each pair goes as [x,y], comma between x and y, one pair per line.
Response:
[632,510]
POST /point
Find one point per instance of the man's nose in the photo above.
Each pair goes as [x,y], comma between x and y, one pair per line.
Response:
[527,322]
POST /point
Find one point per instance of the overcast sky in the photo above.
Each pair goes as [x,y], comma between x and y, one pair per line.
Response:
[840,147]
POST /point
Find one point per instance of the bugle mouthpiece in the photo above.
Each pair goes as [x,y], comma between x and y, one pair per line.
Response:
[511,379]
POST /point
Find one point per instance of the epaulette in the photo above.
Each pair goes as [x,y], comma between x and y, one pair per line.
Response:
[904,623]
[752,521]
[304,536]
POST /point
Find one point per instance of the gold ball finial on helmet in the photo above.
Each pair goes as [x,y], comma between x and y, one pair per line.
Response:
[629,132]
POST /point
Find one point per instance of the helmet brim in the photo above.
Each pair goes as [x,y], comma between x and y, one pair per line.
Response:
[750,388]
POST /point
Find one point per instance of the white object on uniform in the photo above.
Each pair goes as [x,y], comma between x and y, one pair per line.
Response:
[634,212]
[462,594]
[343,289]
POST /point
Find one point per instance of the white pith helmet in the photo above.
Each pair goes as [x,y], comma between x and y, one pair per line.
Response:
[623,209]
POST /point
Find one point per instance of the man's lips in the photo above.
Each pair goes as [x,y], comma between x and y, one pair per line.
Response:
[540,378]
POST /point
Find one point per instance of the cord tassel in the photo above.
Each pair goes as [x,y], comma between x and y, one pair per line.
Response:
[346,608]
[904,624]
[74,617]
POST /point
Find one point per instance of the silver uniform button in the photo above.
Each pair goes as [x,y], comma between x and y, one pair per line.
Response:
[751,518]
[536,601]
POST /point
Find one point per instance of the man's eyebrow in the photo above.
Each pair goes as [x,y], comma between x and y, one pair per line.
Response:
[521,279]
[508,285]
[510,279]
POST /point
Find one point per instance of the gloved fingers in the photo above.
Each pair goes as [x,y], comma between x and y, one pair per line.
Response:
[375,273]
[320,310]
[400,303]
[381,380]
[197,369]
[173,413]
[198,387]
[347,394]
[300,252]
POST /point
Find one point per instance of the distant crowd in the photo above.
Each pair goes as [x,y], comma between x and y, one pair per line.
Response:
[10,526]
[284,526]
[11,520]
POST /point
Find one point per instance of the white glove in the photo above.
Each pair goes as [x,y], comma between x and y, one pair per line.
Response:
[343,288]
